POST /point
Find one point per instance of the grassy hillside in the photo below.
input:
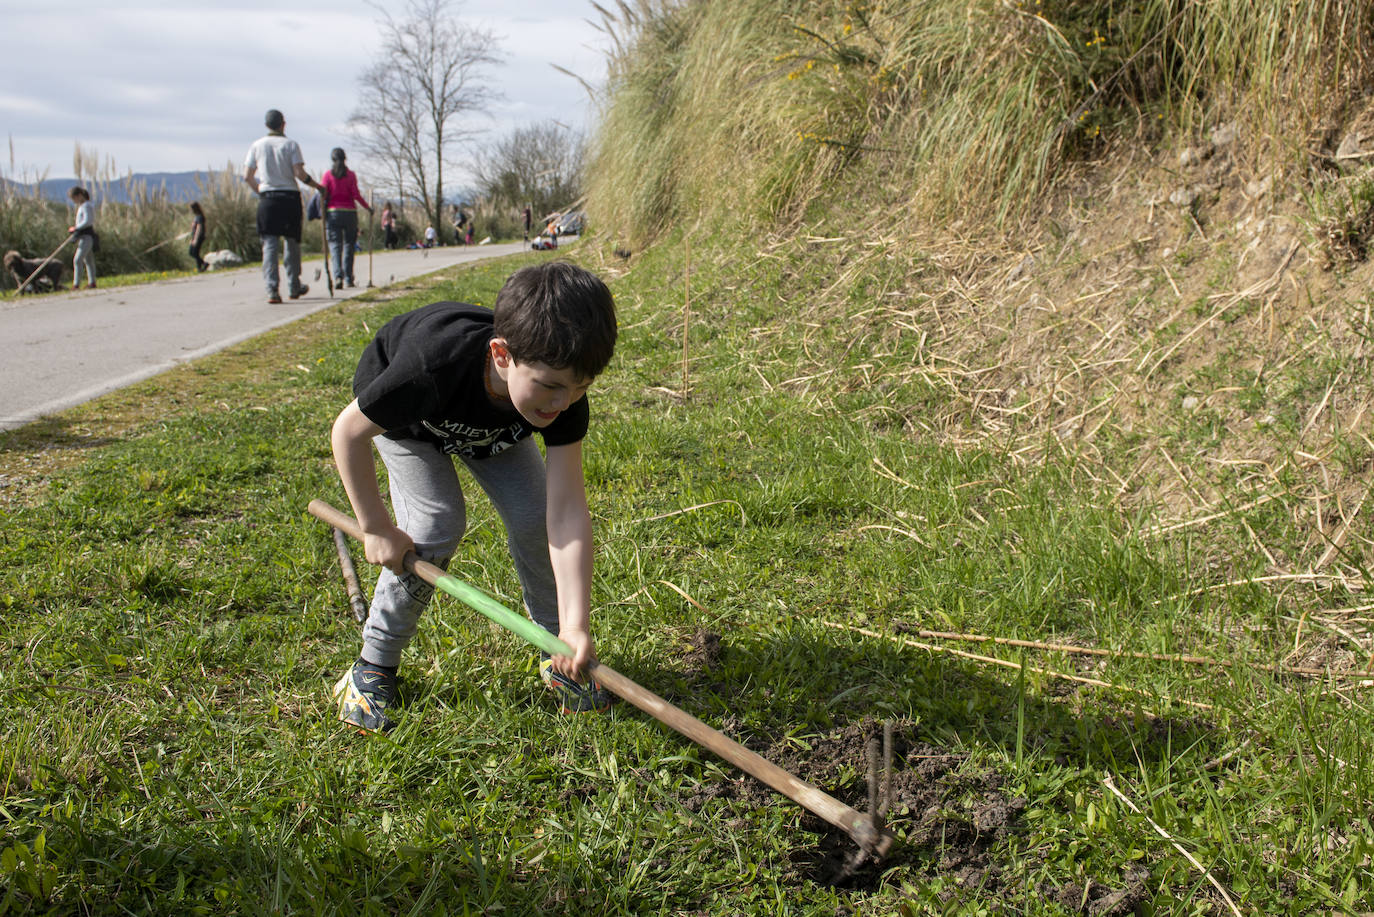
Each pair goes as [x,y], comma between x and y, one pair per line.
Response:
[748,112]
[1133,235]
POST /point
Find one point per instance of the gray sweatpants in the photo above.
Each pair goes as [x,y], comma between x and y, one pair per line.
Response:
[427,501]
[85,257]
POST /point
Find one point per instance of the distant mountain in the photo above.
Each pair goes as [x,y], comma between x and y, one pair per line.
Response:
[178,186]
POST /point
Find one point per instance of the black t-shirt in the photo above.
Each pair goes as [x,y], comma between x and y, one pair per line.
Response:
[422,377]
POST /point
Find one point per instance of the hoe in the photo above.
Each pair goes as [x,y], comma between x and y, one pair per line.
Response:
[868,831]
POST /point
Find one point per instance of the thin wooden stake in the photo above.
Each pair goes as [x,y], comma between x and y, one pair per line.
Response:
[1174,658]
[1107,782]
[1338,539]
[356,601]
[686,309]
[993,660]
[371,236]
[44,263]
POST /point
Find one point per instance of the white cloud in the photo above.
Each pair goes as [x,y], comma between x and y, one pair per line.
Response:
[17,105]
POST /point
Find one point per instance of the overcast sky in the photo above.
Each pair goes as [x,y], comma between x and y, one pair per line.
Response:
[179,86]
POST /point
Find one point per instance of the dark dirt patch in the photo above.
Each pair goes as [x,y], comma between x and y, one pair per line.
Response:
[1098,900]
[949,812]
[951,817]
[581,793]
[703,654]
[944,807]
[698,671]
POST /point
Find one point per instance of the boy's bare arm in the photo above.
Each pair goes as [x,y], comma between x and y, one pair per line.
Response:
[351,438]
[570,550]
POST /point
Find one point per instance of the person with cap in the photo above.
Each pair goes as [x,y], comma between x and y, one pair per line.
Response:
[340,217]
[272,168]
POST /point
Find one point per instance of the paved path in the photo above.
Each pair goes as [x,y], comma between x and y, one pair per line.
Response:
[60,350]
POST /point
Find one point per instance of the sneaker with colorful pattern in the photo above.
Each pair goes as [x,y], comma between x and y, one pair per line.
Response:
[573,697]
[364,694]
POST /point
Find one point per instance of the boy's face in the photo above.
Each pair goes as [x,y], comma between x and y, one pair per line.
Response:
[539,392]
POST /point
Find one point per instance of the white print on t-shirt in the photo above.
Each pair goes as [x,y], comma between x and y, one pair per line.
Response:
[474,442]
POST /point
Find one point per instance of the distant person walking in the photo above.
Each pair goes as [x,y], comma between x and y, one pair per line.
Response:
[197,235]
[341,217]
[389,226]
[84,231]
[279,203]
[460,220]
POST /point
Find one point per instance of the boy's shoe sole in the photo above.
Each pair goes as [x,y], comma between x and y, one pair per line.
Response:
[363,710]
[574,697]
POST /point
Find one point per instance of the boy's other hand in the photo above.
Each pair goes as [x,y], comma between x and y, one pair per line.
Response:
[584,654]
[388,548]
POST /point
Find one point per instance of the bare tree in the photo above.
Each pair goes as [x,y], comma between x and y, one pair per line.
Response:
[539,165]
[427,74]
[386,127]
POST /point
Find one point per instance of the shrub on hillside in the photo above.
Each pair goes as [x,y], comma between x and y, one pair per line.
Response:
[750,108]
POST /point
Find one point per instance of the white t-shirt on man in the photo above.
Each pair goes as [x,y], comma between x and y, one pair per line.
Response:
[275,157]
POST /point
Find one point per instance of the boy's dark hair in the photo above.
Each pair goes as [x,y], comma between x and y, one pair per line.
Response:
[77,191]
[557,314]
[274,120]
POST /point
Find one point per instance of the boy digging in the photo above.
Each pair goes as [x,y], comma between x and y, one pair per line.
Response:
[453,380]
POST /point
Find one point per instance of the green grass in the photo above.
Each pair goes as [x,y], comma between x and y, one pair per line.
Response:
[175,621]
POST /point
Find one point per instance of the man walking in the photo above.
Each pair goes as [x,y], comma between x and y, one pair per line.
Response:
[280,163]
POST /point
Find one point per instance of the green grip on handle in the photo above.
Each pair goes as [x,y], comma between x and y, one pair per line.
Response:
[519,625]
[469,595]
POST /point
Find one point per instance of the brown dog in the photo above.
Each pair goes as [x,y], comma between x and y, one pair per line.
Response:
[20,268]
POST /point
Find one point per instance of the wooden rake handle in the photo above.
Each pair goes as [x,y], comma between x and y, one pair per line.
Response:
[872,837]
[44,263]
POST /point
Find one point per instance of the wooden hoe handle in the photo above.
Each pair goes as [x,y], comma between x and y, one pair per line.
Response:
[872,837]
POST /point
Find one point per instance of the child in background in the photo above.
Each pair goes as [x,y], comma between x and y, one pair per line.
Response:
[453,380]
[389,226]
[84,231]
[197,235]
[430,237]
